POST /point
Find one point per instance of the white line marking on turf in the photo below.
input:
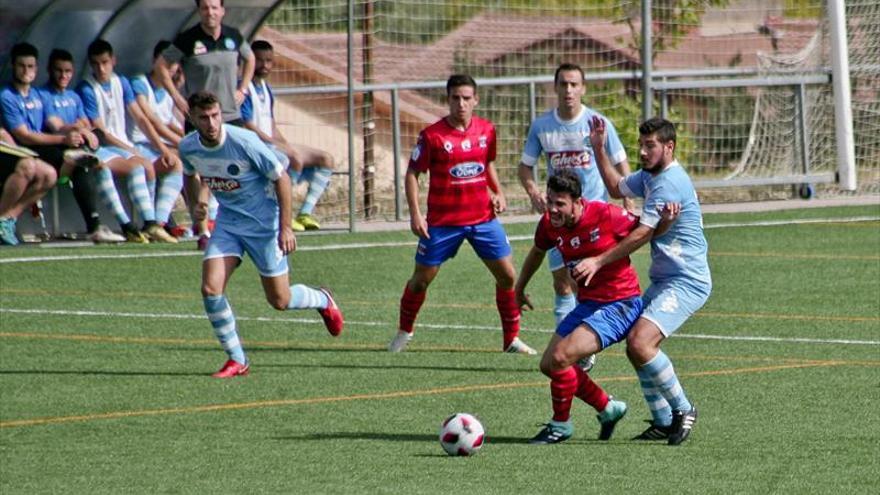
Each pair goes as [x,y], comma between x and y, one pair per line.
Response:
[103,314]
[367,245]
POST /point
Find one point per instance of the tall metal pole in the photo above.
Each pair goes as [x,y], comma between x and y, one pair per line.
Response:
[369,123]
[843,122]
[647,61]
[352,184]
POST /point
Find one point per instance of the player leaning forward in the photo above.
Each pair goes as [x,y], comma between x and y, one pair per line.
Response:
[253,191]
[464,196]
[606,309]
[680,278]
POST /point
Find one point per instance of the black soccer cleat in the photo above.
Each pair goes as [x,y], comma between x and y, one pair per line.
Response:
[682,424]
[654,432]
[551,434]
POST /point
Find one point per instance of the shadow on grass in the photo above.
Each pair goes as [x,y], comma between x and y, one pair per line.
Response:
[392,437]
[351,366]
[98,373]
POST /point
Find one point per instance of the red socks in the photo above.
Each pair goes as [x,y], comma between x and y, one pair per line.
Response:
[410,303]
[573,382]
[505,300]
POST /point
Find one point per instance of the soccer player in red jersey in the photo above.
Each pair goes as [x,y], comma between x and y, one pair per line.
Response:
[464,196]
[606,309]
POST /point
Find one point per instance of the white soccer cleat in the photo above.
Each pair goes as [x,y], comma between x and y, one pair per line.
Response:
[520,347]
[399,342]
[587,363]
[103,235]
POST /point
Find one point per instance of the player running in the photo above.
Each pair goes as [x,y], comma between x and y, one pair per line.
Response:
[253,190]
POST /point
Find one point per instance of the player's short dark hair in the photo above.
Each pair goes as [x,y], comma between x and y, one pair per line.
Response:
[160,47]
[23,50]
[202,99]
[261,45]
[99,47]
[664,129]
[59,54]
[565,181]
[565,68]
[457,80]
[199,3]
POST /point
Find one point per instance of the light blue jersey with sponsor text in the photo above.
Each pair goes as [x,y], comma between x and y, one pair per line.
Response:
[241,172]
[567,146]
[680,252]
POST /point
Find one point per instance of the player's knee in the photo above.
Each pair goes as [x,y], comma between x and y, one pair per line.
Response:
[46,176]
[325,160]
[639,348]
[210,291]
[418,285]
[26,168]
[562,286]
[278,301]
[505,280]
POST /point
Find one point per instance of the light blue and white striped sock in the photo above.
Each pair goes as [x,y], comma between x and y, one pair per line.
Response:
[151,186]
[223,320]
[562,306]
[317,186]
[140,195]
[109,195]
[661,372]
[169,190]
[305,297]
[660,410]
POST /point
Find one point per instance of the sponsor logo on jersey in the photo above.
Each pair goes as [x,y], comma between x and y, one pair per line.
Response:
[220,184]
[230,45]
[483,141]
[576,241]
[467,170]
[466,145]
[594,235]
[233,169]
[447,146]
[570,159]
[199,48]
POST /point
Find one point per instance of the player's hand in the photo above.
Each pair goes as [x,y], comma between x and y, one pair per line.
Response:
[670,211]
[499,203]
[182,105]
[584,271]
[539,202]
[239,97]
[73,139]
[91,140]
[200,212]
[597,133]
[286,239]
[523,301]
[168,162]
[419,226]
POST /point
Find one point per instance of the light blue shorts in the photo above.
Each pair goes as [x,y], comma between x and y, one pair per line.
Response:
[107,153]
[611,322]
[488,240]
[554,259]
[263,250]
[670,303]
[147,151]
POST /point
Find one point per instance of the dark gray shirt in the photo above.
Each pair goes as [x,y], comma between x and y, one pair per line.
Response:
[209,64]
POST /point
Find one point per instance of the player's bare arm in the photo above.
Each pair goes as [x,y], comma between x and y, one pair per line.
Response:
[161,128]
[530,265]
[668,215]
[499,202]
[536,196]
[169,160]
[417,223]
[610,176]
[26,137]
[164,72]
[286,238]
[194,188]
[628,203]
[584,271]
[247,74]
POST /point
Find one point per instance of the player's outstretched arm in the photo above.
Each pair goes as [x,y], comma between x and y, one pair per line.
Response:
[530,265]
[417,223]
[610,176]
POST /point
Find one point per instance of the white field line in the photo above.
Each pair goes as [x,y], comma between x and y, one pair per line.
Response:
[369,245]
[391,325]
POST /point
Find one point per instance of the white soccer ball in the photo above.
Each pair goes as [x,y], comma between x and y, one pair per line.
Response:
[461,434]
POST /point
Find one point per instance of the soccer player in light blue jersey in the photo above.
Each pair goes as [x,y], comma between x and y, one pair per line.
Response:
[253,190]
[563,136]
[680,278]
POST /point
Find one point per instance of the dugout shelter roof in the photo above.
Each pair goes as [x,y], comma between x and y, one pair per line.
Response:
[132,26]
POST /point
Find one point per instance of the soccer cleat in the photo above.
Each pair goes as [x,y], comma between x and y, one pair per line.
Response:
[399,342]
[233,368]
[586,363]
[7,232]
[296,226]
[104,235]
[614,412]
[307,221]
[156,232]
[136,237]
[654,432]
[332,316]
[682,424]
[552,433]
[518,346]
